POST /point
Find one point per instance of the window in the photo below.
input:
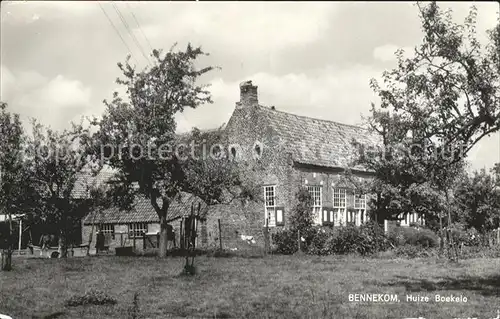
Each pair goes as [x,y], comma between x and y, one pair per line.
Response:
[136,230]
[360,207]
[339,205]
[107,230]
[270,205]
[315,192]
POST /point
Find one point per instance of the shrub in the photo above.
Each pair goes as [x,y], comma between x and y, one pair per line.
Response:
[468,237]
[366,239]
[320,242]
[285,241]
[302,217]
[422,237]
[91,297]
[479,252]
[348,240]
[375,236]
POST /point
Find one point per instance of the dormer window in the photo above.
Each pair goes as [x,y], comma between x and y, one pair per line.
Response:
[233,152]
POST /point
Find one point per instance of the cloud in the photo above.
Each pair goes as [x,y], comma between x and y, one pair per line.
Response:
[485,153]
[243,26]
[63,93]
[53,102]
[340,95]
[7,83]
[334,94]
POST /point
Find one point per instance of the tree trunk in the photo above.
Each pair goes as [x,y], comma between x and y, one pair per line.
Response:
[7,255]
[194,236]
[90,238]
[441,239]
[451,242]
[91,233]
[63,248]
[7,260]
[163,237]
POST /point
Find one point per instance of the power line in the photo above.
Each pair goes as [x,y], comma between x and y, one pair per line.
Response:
[117,31]
[127,27]
[139,26]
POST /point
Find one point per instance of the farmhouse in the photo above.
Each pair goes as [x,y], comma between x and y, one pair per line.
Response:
[295,151]
[291,151]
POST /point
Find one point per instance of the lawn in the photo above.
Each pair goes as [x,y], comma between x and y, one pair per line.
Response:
[270,287]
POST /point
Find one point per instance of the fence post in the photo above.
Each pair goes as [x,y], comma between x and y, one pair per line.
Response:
[298,240]
[134,239]
[267,242]
[143,241]
[220,234]
[181,234]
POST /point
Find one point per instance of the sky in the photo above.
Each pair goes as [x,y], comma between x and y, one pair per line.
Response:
[59,59]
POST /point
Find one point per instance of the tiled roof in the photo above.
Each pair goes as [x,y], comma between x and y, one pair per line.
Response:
[314,141]
[143,212]
[86,180]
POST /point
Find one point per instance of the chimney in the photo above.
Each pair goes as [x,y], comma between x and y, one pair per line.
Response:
[248,95]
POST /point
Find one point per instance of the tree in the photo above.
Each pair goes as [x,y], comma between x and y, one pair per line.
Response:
[302,217]
[477,199]
[448,92]
[96,202]
[435,106]
[216,177]
[146,121]
[12,192]
[56,163]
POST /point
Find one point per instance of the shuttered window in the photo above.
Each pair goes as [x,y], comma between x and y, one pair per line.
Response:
[280,216]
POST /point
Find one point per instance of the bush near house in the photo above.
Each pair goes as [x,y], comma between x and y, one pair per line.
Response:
[422,237]
[285,242]
[321,242]
[366,239]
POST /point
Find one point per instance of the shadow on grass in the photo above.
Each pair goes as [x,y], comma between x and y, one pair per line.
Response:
[486,286]
[51,316]
[216,253]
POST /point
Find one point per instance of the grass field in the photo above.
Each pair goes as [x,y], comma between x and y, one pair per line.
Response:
[271,287]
